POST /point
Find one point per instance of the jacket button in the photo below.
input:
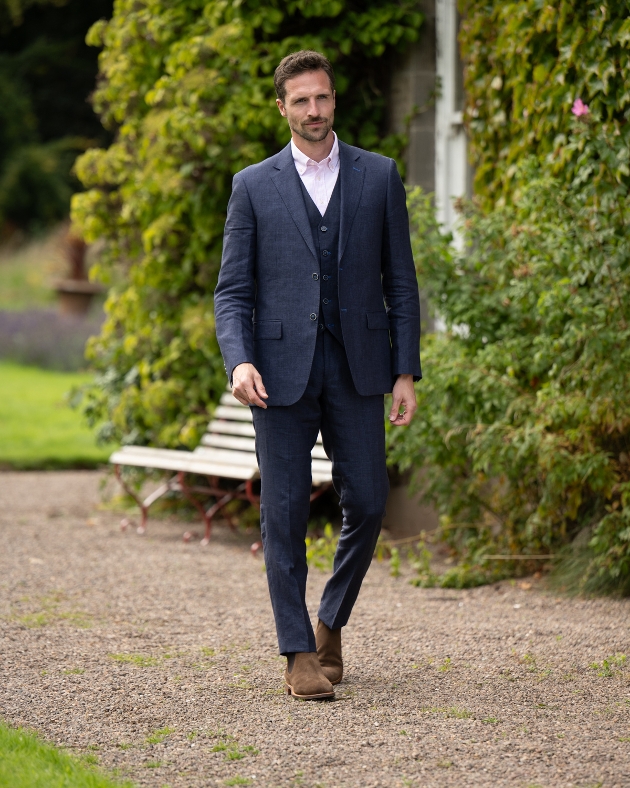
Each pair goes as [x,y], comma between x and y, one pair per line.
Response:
[313,316]
[326,301]
[323,229]
[316,277]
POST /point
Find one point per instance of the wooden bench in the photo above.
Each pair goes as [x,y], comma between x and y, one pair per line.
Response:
[227,451]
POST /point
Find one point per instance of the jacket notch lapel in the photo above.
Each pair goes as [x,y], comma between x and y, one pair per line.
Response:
[286,181]
[351,174]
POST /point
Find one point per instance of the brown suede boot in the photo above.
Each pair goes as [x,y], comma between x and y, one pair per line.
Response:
[306,679]
[329,652]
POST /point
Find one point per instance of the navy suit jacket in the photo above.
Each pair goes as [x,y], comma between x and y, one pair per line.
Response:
[267,299]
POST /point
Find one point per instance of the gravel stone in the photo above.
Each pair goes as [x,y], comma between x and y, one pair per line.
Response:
[160,658]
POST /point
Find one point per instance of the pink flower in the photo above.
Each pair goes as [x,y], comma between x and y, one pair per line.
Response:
[579,108]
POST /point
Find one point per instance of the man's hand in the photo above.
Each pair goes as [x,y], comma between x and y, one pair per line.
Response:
[247,385]
[403,396]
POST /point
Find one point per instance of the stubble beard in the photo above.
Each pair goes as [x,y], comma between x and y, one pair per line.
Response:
[315,135]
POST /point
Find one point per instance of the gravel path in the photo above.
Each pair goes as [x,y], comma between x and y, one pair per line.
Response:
[159,658]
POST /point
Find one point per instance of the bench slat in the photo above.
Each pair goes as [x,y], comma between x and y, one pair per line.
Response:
[233,413]
[229,442]
[248,444]
[229,399]
[147,454]
[230,428]
[225,427]
[322,466]
[185,464]
[228,456]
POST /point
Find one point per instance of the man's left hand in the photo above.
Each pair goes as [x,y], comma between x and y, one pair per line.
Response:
[403,401]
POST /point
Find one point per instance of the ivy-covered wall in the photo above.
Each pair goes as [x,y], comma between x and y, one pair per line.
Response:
[526,63]
[187,87]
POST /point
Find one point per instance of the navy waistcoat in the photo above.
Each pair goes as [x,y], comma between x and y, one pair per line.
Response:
[325,231]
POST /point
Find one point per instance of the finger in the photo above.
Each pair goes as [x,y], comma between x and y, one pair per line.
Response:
[242,398]
[406,416]
[254,399]
[396,401]
[260,386]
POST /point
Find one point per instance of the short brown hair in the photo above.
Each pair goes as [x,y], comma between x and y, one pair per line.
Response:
[297,63]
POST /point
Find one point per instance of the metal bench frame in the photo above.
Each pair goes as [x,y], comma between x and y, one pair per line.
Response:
[226,452]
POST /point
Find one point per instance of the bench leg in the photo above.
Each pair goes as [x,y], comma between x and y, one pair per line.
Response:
[188,495]
[150,499]
[320,491]
[215,508]
[130,492]
[251,496]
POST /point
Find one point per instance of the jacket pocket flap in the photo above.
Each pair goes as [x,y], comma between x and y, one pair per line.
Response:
[377,320]
[268,329]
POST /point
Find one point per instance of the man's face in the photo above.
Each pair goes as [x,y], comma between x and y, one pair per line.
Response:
[309,105]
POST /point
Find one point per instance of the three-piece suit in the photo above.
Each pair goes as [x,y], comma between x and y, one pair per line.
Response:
[326,308]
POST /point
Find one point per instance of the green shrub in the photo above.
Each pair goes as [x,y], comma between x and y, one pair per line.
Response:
[524,418]
[526,62]
[188,86]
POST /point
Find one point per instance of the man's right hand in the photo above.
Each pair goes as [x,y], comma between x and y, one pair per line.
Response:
[247,385]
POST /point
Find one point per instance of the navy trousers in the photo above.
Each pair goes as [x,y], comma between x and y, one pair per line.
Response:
[353,434]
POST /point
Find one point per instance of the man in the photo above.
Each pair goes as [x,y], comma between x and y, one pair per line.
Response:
[317,315]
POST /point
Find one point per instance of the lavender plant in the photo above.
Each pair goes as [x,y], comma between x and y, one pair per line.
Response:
[47,339]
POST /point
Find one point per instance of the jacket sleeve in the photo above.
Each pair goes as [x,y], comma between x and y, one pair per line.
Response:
[400,286]
[235,294]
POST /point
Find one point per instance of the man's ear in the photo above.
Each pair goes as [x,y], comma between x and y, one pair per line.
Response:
[280,105]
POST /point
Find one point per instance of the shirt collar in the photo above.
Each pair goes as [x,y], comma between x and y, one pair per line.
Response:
[302,161]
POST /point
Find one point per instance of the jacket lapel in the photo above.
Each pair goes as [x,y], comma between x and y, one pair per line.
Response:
[351,174]
[287,182]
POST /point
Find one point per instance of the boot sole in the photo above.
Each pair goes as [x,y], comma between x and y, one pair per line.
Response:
[290,691]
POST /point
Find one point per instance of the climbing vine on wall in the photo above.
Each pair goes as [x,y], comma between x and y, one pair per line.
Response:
[187,85]
[526,63]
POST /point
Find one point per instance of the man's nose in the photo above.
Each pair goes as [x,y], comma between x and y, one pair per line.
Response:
[312,108]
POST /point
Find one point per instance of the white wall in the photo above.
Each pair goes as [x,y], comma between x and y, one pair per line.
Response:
[452,171]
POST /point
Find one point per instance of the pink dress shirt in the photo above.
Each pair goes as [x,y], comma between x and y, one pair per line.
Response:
[319,178]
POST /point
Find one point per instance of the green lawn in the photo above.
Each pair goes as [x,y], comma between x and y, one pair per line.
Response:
[37,427]
[27,762]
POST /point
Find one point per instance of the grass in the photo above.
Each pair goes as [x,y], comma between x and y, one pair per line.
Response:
[38,429]
[608,665]
[28,762]
[139,660]
[158,736]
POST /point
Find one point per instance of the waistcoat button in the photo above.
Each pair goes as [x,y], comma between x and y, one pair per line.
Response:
[326,301]
[323,229]
[325,277]
[325,252]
